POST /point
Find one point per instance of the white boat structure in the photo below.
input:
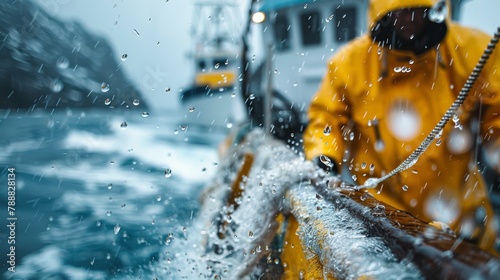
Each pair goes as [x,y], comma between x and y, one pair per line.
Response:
[301,36]
[262,173]
[212,100]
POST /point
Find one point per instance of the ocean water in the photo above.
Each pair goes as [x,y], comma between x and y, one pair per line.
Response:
[115,194]
[98,193]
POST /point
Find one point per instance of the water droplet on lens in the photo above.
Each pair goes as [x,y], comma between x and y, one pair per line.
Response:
[107,101]
[398,69]
[327,130]
[62,62]
[145,114]
[167,89]
[104,87]
[326,161]
[405,188]
[251,97]
[56,85]
[123,125]
[438,12]
[117,228]
[191,109]
[110,186]
[136,102]
[168,173]
[124,56]
[250,234]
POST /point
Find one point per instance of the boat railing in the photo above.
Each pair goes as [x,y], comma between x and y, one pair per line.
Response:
[352,234]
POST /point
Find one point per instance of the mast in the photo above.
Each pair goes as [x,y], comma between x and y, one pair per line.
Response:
[215,27]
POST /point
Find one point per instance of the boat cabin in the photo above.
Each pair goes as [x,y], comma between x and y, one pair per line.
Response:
[298,38]
[301,35]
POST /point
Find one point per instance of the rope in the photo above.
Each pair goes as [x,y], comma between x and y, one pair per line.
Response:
[413,157]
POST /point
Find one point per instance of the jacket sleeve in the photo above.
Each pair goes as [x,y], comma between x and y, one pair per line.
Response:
[328,115]
[488,89]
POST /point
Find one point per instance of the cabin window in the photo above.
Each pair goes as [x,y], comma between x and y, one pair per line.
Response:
[202,65]
[310,23]
[345,28]
[282,32]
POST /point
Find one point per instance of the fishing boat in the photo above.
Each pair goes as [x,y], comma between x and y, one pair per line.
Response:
[262,175]
[211,100]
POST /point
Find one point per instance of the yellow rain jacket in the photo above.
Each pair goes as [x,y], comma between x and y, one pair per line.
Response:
[380,103]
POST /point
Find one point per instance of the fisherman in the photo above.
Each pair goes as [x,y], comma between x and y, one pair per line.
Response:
[382,94]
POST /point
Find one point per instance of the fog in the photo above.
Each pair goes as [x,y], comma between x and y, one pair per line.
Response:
[156,37]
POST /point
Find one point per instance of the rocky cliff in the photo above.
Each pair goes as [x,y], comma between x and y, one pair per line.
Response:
[48,63]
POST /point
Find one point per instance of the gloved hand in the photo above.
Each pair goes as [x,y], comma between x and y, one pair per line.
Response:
[442,226]
[326,163]
[332,180]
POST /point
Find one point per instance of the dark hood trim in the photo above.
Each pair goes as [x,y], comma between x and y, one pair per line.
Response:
[385,36]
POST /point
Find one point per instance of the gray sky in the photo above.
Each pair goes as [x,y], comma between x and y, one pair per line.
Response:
[158,56]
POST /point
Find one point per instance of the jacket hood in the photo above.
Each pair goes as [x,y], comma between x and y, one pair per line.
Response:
[379,8]
[383,33]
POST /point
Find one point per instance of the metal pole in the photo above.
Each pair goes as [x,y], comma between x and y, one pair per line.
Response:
[268,96]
